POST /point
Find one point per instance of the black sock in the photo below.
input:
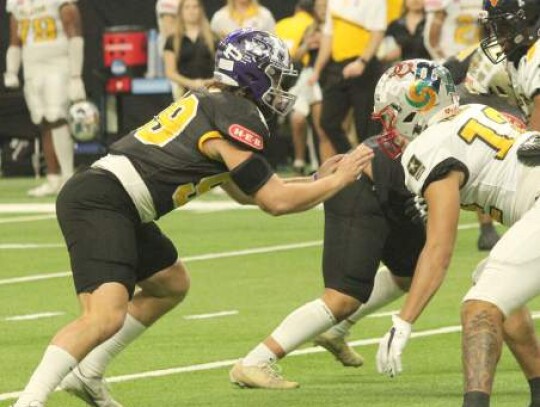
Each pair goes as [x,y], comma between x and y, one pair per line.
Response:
[476,399]
[534,385]
[487,227]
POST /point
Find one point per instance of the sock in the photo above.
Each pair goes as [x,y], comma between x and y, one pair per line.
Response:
[385,290]
[534,386]
[476,399]
[487,227]
[95,363]
[298,327]
[63,147]
[54,366]
[260,354]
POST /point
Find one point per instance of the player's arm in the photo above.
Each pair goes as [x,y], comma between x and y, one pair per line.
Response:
[534,120]
[13,55]
[237,194]
[432,33]
[443,200]
[253,175]
[325,49]
[71,20]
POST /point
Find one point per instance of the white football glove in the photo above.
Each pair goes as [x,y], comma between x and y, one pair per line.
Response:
[76,90]
[391,347]
[11,80]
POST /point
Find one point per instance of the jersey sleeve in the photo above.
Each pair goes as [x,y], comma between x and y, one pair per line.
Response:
[531,76]
[240,121]
[425,161]
[376,16]
[169,44]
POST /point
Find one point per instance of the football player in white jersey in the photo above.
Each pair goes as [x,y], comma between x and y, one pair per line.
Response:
[512,28]
[451,26]
[46,37]
[472,157]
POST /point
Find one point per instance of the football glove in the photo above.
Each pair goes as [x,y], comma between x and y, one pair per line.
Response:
[391,347]
[76,89]
[11,80]
[416,209]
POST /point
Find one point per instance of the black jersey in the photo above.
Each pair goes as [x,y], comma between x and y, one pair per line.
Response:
[167,151]
[389,183]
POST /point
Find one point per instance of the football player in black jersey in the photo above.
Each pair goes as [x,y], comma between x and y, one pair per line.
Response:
[106,213]
[365,224]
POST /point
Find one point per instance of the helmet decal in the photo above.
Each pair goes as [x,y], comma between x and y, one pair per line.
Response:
[422,96]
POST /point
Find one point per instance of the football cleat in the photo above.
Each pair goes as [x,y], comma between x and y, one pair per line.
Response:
[92,390]
[263,376]
[337,346]
[487,239]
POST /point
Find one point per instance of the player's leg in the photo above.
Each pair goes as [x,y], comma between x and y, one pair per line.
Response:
[326,148]
[520,336]
[353,241]
[400,254]
[34,96]
[509,279]
[298,129]
[164,284]
[488,234]
[56,99]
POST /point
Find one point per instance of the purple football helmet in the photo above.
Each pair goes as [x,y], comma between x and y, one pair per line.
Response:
[258,62]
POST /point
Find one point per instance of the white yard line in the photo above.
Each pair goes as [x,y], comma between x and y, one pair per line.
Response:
[26,246]
[20,219]
[209,256]
[213,315]
[383,314]
[230,362]
[32,317]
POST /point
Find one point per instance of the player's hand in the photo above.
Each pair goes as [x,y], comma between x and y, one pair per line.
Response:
[391,347]
[353,69]
[352,164]
[11,81]
[76,90]
[416,209]
[329,166]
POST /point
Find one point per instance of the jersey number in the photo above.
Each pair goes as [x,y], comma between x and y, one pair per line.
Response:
[44,29]
[185,193]
[473,130]
[169,124]
[467,30]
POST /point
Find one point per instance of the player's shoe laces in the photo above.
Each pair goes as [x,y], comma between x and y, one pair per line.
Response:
[337,346]
[263,376]
[92,390]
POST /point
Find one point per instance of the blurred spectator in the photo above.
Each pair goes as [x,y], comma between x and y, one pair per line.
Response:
[189,53]
[394,10]
[46,36]
[451,26]
[166,12]
[242,14]
[352,33]
[302,32]
[405,37]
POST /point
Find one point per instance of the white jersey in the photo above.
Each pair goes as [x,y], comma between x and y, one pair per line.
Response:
[461,28]
[480,142]
[526,78]
[40,29]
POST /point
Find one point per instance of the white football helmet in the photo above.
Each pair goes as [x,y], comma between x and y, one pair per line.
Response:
[83,119]
[407,96]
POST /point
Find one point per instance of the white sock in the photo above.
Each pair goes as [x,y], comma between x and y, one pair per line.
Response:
[95,363]
[63,147]
[385,290]
[54,366]
[298,327]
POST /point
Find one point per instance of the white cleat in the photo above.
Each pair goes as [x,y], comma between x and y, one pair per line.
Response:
[263,376]
[92,390]
[337,346]
[49,188]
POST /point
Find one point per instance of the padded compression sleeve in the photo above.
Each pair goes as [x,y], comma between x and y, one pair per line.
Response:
[252,174]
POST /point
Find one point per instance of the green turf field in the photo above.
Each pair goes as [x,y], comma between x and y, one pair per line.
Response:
[258,289]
